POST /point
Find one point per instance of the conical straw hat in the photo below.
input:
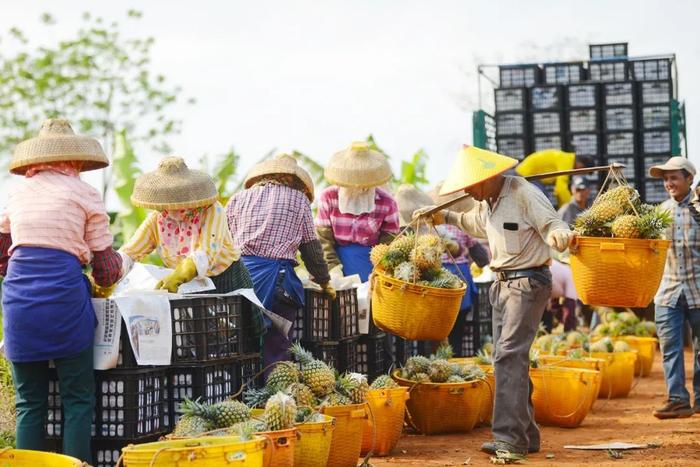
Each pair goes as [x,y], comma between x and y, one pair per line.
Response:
[461,206]
[57,142]
[358,166]
[281,164]
[409,198]
[474,165]
[173,186]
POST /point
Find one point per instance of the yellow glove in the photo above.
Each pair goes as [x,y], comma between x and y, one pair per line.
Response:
[328,290]
[560,239]
[475,270]
[184,272]
[437,217]
[98,291]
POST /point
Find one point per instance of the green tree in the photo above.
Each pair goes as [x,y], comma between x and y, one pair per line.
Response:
[99,79]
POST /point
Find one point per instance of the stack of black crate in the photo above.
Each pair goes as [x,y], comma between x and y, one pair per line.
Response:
[215,348]
[512,132]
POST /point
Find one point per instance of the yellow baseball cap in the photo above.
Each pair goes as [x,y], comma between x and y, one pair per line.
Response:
[475,165]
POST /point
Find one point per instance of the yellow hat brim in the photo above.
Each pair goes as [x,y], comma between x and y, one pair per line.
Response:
[475,165]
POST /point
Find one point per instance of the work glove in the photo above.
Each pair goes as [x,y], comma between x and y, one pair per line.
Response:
[560,239]
[436,219]
[328,290]
[336,272]
[184,272]
[98,291]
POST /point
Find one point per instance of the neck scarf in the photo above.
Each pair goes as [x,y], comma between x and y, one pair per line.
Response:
[180,229]
[356,200]
[70,168]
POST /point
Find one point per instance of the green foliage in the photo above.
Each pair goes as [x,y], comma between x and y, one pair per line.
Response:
[223,172]
[125,170]
[98,79]
[413,170]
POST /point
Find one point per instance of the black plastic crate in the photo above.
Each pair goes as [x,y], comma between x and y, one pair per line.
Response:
[656,117]
[547,123]
[650,161]
[249,370]
[371,358]
[212,328]
[546,97]
[317,317]
[105,453]
[630,163]
[656,142]
[511,124]
[564,73]
[54,419]
[519,76]
[619,94]
[614,70]
[654,191]
[511,99]
[345,314]
[620,118]
[583,120]
[651,69]
[347,355]
[404,349]
[620,143]
[607,51]
[582,95]
[210,382]
[656,92]
[482,304]
[327,351]
[548,142]
[514,147]
[470,336]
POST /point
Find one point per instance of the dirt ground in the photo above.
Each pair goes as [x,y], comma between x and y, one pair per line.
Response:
[626,420]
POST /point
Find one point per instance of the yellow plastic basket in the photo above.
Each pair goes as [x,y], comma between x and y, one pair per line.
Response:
[347,436]
[413,311]
[279,451]
[486,412]
[385,422]
[563,396]
[432,407]
[646,351]
[314,444]
[208,451]
[25,458]
[618,379]
[596,261]
[594,364]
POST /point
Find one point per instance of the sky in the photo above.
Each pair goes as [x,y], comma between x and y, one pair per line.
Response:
[314,76]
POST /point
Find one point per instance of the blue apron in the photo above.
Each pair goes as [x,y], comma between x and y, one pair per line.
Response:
[47,311]
[470,293]
[355,260]
[265,273]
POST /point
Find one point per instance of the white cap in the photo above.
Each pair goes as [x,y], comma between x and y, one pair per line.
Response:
[674,163]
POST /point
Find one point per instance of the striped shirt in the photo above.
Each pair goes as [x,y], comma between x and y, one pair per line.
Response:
[364,229]
[682,270]
[211,241]
[53,210]
[270,220]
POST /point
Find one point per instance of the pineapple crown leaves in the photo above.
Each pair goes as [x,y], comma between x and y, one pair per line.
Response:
[302,355]
[444,352]
[256,398]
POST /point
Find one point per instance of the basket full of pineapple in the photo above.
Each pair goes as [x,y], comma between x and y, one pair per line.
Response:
[619,238]
[413,295]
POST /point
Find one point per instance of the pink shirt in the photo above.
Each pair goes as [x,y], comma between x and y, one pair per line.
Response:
[363,229]
[52,210]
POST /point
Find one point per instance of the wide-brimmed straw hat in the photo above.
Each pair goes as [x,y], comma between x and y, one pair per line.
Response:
[281,164]
[57,142]
[408,199]
[473,166]
[463,205]
[173,186]
[358,166]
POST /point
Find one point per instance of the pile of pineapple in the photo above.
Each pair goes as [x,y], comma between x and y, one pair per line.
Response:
[438,369]
[624,323]
[292,395]
[416,260]
[620,213]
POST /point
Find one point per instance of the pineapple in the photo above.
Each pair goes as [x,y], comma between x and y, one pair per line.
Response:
[417,364]
[421,378]
[426,257]
[621,195]
[189,426]
[302,395]
[281,376]
[334,399]
[626,226]
[482,358]
[439,371]
[652,224]
[280,412]
[406,272]
[471,373]
[392,259]
[455,379]
[383,382]
[254,397]
[606,211]
[429,241]
[430,275]
[588,226]
[355,386]
[314,373]
[229,412]
[621,346]
[404,244]
[444,352]
[377,253]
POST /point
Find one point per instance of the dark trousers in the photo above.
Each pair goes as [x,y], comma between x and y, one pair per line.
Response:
[276,343]
[77,389]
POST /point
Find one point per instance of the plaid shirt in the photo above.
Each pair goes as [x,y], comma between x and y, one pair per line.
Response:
[270,220]
[682,270]
[364,229]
